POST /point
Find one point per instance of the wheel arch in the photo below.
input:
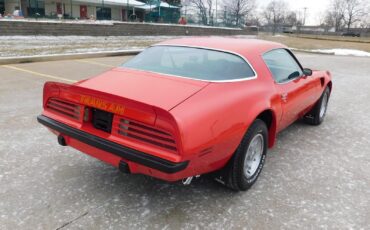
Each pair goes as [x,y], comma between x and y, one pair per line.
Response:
[330,85]
[269,117]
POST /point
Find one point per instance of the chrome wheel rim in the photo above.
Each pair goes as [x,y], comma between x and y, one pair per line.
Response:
[324,104]
[253,155]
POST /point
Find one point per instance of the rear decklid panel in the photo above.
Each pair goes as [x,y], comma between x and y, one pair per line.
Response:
[149,88]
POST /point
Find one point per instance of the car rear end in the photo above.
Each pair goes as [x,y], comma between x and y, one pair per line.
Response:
[131,135]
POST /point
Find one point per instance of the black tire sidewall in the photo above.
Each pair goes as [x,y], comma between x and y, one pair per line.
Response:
[318,119]
[258,127]
[313,117]
[327,91]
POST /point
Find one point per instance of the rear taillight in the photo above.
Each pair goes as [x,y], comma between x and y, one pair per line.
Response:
[147,134]
[51,89]
[65,108]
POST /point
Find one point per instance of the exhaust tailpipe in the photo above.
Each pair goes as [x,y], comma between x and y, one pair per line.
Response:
[187,181]
[62,140]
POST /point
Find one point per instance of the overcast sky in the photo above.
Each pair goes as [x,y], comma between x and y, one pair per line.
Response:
[315,8]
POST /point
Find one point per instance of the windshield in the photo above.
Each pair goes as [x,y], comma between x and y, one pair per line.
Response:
[196,63]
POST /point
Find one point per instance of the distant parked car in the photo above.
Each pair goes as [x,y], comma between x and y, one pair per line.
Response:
[287,30]
[189,106]
[351,34]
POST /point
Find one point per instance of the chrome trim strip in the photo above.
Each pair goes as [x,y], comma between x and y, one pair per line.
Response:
[206,48]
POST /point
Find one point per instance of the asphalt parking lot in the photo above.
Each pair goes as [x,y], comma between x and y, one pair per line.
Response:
[314,178]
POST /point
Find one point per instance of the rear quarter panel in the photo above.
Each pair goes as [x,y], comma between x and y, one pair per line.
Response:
[213,122]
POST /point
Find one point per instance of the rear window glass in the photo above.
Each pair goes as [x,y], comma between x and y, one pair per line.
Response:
[196,63]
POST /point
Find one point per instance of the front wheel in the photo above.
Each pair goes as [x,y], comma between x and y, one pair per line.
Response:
[248,160]
[317,114]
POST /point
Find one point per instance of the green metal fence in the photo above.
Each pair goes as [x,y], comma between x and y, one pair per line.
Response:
[164,15]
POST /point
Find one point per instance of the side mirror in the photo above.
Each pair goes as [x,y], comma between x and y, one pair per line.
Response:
[307,72]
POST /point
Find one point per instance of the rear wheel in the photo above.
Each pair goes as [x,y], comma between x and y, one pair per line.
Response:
[248,160]
[317,114]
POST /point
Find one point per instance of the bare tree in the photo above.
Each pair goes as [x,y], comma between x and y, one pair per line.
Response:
[345,13]
[205,9]
[328,21]
[275,13]
[320,17]
[354,10]
[240,9]
[254,19]
[335,14]
[210,11]
[201,6]
[291,18]
[365,22]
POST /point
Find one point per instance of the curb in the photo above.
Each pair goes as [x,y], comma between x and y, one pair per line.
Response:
[310,51]
[326,53]
[58,57]
[337,39]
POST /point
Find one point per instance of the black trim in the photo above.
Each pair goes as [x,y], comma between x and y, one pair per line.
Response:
[123,167]
[114,148]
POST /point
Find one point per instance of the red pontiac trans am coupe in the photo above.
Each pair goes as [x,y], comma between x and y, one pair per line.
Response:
[189,106]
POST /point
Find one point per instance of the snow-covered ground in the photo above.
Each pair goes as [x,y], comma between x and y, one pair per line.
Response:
[109,22]
[45,20]
[14,46]
[350,52]
[279,36]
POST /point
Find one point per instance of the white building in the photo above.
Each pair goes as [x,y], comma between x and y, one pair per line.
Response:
[119,10]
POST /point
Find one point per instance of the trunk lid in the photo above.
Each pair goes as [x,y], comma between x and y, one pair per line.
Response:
[150,88]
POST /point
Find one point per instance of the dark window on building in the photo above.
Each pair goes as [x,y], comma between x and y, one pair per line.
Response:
[36,7]
[103,13]
[2,7]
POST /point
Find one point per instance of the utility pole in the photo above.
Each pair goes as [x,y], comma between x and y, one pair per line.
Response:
[71,10]
[150,11]
[216,14]
[225,16]
[103,9]
[20,7]
[304,15]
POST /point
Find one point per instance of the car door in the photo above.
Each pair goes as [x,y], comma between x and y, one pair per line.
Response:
[293,87]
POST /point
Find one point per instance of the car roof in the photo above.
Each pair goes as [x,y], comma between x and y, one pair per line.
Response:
[245,47]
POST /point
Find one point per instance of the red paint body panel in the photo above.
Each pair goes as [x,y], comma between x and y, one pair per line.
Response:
[145,87]
[204,120]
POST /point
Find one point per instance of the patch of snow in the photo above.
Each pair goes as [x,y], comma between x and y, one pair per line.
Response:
[279,36]
[343,52]
[69,21]
[112,22]
[16,46]
[72,53]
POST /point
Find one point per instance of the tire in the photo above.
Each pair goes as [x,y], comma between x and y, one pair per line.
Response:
[317,114]
[238,177]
